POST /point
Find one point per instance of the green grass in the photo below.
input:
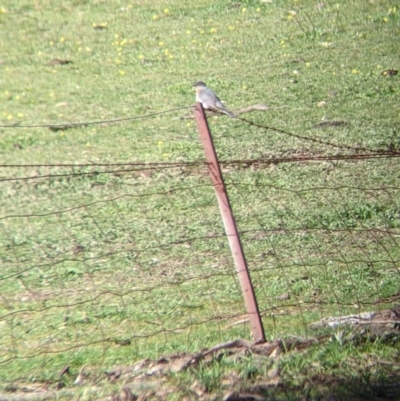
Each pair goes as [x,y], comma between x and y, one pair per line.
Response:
[346,372]
[93,256]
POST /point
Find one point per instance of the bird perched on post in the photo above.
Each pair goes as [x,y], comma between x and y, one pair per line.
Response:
[209,99]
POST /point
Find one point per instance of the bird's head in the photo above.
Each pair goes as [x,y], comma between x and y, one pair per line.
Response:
[199,84]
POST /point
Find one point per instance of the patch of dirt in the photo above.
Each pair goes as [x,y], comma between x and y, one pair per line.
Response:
[157,379]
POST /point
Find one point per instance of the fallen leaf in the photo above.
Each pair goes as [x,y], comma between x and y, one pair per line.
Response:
[64,371]
[57,61]
[123,343]
[81,377]
[62,127]
[389,73]
[334,123]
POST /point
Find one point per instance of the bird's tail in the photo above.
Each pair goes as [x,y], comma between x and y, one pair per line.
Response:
[228,112]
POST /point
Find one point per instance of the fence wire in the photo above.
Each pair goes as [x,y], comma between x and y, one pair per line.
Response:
[92,261]
[327,247]
[105,262]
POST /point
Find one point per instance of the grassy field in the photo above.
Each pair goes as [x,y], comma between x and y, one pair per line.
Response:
[102,265]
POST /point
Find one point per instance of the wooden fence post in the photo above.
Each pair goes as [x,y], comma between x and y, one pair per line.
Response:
[228,219]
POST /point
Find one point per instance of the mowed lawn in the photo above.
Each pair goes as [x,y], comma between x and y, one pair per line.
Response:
[111,244]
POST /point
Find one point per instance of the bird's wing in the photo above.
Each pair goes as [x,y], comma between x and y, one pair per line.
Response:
[219,104]
[209,94]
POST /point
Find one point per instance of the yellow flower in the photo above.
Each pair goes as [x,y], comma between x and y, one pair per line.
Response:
[62,39]
[244,9]
[9,117]
[354,71]
[155,17]
[213,30]
[121,72]
[88,49]
[166,11]
[20,115]
[160,43]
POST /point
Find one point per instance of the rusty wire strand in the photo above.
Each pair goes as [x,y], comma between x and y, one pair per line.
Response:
[95,122]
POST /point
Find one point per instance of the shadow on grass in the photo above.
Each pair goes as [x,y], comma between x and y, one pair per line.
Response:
[331,388]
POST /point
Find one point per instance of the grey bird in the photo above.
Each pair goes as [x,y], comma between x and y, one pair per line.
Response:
[209,99]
